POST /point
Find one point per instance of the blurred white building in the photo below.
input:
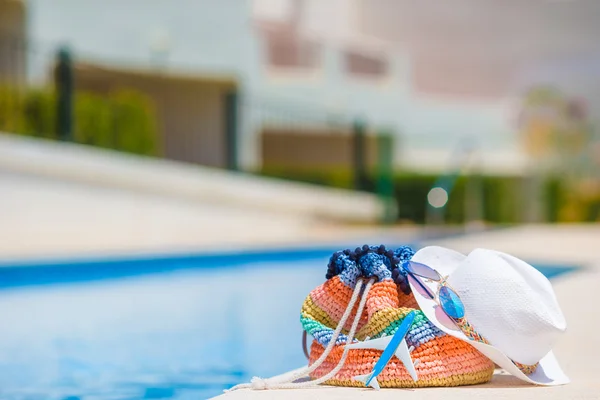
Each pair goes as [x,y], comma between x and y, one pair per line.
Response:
[433,73]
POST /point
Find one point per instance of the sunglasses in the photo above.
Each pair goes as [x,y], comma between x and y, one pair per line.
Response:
[445,296]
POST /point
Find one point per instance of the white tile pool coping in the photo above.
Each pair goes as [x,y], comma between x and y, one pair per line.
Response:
[578,351]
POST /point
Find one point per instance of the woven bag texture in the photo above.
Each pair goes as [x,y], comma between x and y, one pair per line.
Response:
[443,359]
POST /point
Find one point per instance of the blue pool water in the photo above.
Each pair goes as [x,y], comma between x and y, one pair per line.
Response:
[182,327]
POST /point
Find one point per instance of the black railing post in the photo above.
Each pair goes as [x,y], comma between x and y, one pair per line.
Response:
[359,155]
[64,93]
[231,129]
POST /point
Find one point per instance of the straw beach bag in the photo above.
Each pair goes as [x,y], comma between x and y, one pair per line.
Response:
[373,275]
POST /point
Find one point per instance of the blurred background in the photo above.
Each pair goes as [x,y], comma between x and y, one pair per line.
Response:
[135,127]
[386,97]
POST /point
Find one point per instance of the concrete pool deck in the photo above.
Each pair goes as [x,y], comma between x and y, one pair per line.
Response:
[577,351]
[62,200]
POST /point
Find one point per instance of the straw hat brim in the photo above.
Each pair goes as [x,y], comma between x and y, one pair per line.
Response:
[445,261]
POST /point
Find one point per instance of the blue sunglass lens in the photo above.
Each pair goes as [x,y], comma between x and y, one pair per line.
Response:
[451,303]
[421,270]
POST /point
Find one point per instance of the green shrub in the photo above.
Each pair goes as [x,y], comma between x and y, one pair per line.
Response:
[502,196]
[339,178]
[12,115]
[134,123]
[40,114]
[123,120]
[93,120]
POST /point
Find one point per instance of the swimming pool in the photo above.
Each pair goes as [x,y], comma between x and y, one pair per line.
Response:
[179,327]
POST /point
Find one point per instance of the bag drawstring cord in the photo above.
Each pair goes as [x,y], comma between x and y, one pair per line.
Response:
[288,382]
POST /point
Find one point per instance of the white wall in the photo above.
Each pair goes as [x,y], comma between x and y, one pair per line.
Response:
[220,36]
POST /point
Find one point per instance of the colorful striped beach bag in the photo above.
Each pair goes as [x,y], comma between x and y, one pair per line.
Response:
[367,296]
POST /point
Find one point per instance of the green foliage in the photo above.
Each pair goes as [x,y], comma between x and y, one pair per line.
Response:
[544,96]
[40,114]
[340,178]
[12,117]
[93,120]
[135,126]
[123,120]
[555,193]
[502,196]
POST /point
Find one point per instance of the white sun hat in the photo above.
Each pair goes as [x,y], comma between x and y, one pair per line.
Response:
[511,314]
